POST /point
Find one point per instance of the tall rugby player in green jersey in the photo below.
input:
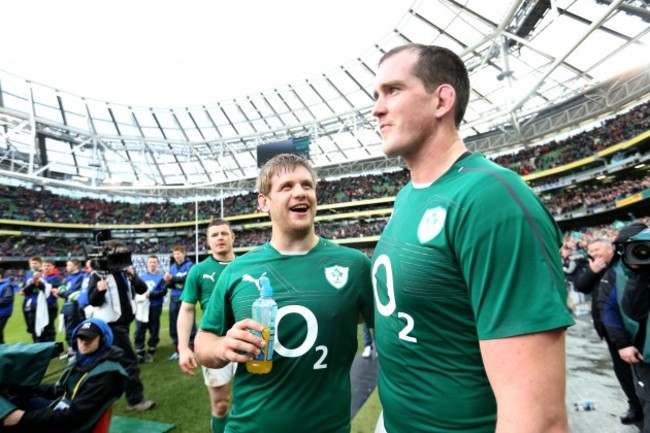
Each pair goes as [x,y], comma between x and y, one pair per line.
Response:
[321,289]
[469,292]
[199,284]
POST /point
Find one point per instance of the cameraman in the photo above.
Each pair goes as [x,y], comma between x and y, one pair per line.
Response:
[112,294]
[597,278]
[626,311]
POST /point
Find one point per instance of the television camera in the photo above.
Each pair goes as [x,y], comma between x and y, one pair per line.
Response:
[635,254]
[636,250]
[105,256]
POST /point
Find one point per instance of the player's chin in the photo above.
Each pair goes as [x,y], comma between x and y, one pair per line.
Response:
[302,220]
[393,147]
[302,228]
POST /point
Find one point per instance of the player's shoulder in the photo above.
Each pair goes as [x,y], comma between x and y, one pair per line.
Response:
[329,247]
[479,167]
[197,268]
[255,255]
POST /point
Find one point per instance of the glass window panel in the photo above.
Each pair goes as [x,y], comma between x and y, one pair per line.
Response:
[244,128]
[98,110]
[307,94]
[362,75]
[150,132]
[262,106]
[184,120]
[359,99]
[625,24]
[144,118]
[340,105]
[343,82]
[233,113]
[199,116]
[248,109]
[321,110]
[227,131]
[218,116]
[18,103]
[325,89]
[276,103]
[621,60]
[14,85]
[48,112]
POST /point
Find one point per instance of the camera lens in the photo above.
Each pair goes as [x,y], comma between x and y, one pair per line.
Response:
[641,252]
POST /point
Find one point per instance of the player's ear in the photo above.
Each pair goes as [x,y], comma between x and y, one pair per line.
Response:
[446,100]
[263,202]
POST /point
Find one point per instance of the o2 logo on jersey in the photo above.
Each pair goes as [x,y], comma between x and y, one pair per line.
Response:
[312,332]
[431,223]
[387,309]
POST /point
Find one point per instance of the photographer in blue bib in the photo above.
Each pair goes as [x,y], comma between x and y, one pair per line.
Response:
[627,306]
[81,395]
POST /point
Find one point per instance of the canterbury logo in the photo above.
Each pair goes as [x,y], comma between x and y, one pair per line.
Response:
[209,277]
[250,279]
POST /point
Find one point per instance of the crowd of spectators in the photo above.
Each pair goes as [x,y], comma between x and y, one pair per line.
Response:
[24,204]
[576,241]
[589,197]
[25,246]
[559,152]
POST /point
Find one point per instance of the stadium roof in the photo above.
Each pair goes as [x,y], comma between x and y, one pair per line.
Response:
[536,68]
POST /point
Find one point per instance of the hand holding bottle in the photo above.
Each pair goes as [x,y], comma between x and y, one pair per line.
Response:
[264,311]
[239,344]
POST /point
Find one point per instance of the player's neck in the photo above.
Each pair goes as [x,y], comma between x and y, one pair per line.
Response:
[286,244]
[224,258]
[435,160]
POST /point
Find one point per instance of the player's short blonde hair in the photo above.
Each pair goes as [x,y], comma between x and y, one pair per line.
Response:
[284,161]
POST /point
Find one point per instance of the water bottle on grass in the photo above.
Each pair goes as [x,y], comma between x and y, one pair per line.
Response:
[584,405]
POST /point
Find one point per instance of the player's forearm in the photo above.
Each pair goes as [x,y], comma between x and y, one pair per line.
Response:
[184,326]
[552,420]
[206,347]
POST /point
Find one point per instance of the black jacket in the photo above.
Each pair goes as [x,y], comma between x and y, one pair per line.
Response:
[97,298]
[599,285]
[91,398]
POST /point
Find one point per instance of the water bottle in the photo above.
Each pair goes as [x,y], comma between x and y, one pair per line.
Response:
[584,405]
[264,311]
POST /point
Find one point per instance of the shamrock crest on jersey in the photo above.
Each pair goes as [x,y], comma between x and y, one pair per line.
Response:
[337,276]
[431,224]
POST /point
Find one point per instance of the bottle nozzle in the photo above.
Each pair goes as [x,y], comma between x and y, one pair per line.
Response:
[265,287]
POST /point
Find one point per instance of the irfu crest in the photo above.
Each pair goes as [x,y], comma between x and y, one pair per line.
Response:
[337,276]
[431,224]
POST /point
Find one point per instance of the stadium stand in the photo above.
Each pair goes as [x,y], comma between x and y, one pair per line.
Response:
[588,178]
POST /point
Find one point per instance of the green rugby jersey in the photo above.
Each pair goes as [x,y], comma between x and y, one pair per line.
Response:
[201,280]
[473,256]
[319,295]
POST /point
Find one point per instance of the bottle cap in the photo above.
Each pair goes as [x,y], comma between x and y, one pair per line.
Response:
[265,287]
